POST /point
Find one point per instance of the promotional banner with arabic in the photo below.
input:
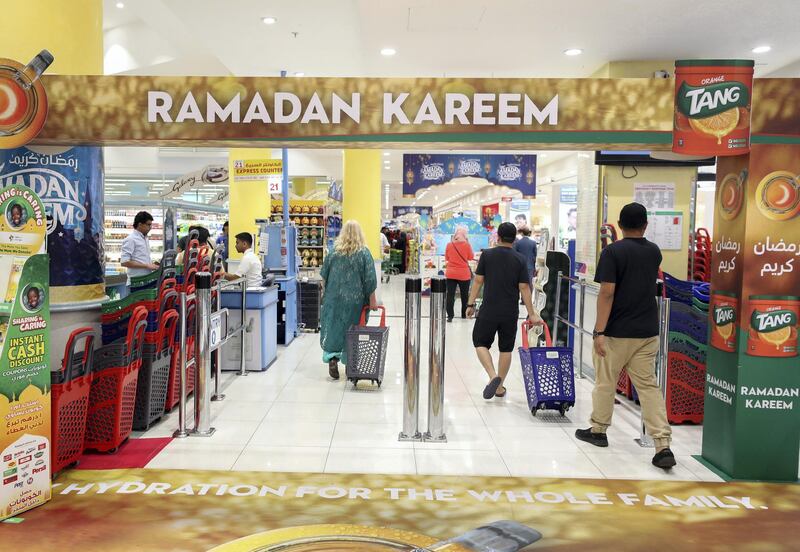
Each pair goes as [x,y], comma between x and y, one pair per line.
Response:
[183,510]
[24,353]
[423,170]
[70,183]
[753,381]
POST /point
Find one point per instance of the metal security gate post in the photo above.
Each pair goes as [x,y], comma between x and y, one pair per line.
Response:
[580,323]
[217,396]
[436,363]
[242,359]
[202,355]
[183,367]
[413,325]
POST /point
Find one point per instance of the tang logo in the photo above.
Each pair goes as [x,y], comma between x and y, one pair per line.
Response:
[23,101]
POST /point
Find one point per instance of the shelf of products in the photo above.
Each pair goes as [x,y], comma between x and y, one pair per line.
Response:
[309,218]
[118,224]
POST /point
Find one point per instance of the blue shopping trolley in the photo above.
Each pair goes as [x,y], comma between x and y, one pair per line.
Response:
[548,374]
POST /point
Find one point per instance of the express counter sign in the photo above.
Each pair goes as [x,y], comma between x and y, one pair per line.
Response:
[712,107]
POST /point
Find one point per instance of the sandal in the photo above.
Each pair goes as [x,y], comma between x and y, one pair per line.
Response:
[333,368]
[491,388]
[499,394]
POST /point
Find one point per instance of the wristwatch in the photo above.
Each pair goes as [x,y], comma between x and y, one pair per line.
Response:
[472,306]
[596,334]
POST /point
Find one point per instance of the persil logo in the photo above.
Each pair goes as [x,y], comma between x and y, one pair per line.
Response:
[697,102]
[771,321]
[724,315]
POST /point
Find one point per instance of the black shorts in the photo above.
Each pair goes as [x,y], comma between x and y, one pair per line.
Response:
[485,329]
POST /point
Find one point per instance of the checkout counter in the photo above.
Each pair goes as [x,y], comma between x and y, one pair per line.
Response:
[261,337]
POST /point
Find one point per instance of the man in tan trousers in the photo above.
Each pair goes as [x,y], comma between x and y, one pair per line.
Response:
[626,333]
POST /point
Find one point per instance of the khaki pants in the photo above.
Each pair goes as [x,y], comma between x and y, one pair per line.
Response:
[638,356]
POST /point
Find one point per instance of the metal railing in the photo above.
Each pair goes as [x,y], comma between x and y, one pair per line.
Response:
[211,331]
[661,367]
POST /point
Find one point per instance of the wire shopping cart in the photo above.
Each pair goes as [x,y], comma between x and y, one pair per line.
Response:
[548,374]
[366,349]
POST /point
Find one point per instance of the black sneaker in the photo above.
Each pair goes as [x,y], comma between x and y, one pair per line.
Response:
[664,459]
[333,368]
[596,439]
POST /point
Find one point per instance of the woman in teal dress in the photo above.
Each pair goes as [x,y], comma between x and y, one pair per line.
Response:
[350,281]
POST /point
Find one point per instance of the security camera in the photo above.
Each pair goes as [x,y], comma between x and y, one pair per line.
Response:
[661,74]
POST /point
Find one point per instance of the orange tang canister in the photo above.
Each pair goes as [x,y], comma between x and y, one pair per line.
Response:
[712,107]
[773,325]
[724,311]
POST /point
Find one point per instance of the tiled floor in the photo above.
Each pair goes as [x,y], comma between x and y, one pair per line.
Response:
[294,418]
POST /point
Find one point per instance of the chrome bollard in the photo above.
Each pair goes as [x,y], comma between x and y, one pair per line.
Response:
[183,367]
[413,313]
[436,363]
[202,355]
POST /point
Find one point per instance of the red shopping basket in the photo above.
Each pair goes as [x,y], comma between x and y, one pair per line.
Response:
[70,400]
[113,394]
[548,374]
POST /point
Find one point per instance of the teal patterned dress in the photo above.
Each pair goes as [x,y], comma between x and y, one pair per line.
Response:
[349,281]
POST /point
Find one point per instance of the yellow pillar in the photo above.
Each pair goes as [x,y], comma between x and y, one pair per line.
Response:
[249,200]
[72,31]
[362,194]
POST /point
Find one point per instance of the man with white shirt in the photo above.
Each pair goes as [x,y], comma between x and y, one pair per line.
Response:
[250,265]
[135,248]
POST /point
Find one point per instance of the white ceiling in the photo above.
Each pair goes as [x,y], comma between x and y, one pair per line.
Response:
[502,38]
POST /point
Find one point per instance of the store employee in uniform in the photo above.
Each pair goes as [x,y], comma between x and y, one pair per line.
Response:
[250,265]
[135,248]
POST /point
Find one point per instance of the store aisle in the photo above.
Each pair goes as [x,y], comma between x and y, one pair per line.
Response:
[293,418]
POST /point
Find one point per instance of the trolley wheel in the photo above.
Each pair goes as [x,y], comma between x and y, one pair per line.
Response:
[379,382]
[112,451]
[533,411]
[563,409]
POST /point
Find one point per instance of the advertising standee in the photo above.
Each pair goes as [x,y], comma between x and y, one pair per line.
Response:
[24,353]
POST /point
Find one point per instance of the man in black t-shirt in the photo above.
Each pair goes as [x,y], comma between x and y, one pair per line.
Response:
[626,333]
[503,275]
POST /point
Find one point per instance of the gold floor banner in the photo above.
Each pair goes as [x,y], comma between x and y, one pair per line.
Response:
[248,511]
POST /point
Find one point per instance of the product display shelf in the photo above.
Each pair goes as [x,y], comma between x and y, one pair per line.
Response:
[309,219]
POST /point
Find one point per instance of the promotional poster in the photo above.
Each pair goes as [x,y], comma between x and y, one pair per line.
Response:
[24,353]
[185,510]
[69,182]
[422,170]
[519,212]
[490,216]
[477,235]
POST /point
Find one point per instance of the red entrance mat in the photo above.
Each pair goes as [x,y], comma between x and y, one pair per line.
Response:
[134,453]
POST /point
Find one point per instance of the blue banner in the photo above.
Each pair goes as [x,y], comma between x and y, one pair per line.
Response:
[422,211]
[477,235]
[517,172]
[70,183]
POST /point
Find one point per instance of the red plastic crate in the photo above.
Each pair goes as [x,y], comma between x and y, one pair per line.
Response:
[685,389]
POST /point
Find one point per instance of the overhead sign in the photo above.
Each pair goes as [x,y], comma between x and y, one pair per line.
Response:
[257,169]
[514,171]
[196,180]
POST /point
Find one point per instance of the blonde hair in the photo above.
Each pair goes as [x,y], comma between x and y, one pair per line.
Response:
[351,238]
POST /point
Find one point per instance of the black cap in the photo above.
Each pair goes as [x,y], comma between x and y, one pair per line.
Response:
[633,216]
[507,232]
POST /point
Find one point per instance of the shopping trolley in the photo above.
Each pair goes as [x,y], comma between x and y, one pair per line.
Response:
[70,400]
[366,349]
[548,374]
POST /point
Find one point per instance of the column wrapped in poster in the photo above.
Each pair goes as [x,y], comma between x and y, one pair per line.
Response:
[70,184]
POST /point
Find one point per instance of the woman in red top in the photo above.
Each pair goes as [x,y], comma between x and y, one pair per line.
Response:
[457,255]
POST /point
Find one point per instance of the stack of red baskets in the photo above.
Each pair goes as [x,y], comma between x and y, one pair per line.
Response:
[70,400]
[113,391]
[702,257]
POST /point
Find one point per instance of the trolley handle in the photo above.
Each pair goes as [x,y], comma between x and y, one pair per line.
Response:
[364,310]
[526,326]
[166,284]
[166,333]
[67,365]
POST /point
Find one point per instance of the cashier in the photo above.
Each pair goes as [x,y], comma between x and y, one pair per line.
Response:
[250,265]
